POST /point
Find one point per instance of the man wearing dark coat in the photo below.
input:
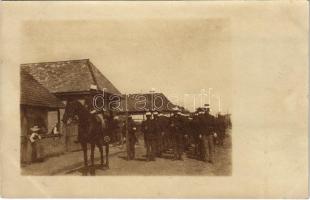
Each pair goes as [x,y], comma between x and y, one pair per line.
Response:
[159,134]
[131,137]
[149,130]
[220,127]
[177,135]
[208,122]
[196,131]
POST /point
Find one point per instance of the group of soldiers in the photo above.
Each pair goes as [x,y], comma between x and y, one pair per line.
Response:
[179,132]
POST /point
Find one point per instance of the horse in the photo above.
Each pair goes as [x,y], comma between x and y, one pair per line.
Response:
[90,131]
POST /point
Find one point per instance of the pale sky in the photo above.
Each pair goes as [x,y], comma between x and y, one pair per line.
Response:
[175,56]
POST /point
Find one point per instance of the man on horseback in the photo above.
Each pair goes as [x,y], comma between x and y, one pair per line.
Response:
[91,127]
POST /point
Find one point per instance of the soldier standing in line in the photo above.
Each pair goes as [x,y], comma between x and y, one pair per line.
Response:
[164,121]
[131,137]
[208,137]
[147,128]
[155,130]
[196,133]
[169,134]
[186,127]
[172,130]
[220,125]
[158,129]
[201,136]
[177,135]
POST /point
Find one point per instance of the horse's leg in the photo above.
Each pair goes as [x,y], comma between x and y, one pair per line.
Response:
[92,150]
[107,155]
[99,144]
[84,147]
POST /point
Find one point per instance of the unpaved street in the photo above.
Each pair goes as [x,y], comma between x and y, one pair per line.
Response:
[165,165]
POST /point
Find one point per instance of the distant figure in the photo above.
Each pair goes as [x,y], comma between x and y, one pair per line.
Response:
[123,140]
[177,134]
[196,135]
[55,130]
[144,128]
[208,137]
[220,128]
[159,135]
[164,126]
[147,128]
[131,137]
[34,136]
[117,130]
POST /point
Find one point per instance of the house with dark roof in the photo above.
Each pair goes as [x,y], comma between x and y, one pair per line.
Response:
[72,79]
[36,103]
[139,104]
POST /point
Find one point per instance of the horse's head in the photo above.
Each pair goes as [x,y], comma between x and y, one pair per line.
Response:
[71,110]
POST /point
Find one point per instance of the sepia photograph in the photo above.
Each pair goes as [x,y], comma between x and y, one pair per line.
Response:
[162,110]
[154,99]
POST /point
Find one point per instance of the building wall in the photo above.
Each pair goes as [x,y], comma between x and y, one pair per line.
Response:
[51,146]
[25,148]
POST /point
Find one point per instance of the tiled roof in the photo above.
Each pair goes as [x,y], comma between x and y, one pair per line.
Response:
[34,94]
[69,76]
[139,103]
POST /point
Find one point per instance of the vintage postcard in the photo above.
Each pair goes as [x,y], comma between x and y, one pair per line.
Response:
[154,99]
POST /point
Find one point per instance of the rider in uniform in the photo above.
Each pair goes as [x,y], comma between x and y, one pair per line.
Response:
[98,114]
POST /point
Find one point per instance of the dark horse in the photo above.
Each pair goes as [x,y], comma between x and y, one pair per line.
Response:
[90,130]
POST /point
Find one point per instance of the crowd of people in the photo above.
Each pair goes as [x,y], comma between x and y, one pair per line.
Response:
[177,133]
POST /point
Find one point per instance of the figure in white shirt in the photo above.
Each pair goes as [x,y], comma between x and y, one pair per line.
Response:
[34,136]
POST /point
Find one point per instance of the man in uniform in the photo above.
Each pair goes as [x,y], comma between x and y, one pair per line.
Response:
[201,124]
[149,128]
[98,114]
[145,128]
[220,127]
[187,131]
[164,123]
[177,135]
[131,137]
[159,134]
[208,137]
[196,133]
